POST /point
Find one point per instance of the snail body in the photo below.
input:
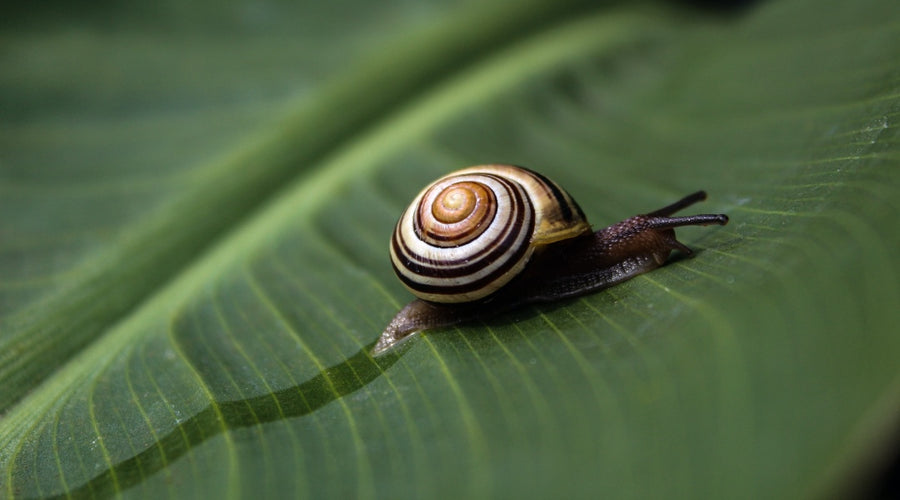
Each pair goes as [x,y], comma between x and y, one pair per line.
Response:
[488,238]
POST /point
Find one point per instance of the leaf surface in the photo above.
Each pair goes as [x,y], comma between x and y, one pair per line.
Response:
[193,257]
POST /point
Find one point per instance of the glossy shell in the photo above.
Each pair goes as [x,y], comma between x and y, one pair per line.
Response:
[469,233]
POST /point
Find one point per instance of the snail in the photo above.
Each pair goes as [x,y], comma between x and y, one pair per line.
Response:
[488,238]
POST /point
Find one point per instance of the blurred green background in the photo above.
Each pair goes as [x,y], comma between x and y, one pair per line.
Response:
[196,198]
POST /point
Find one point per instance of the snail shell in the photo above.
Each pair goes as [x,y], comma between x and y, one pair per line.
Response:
[469,233]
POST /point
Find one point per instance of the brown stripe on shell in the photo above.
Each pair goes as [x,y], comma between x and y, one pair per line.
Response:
[482,283]
[422,266]
[570,210]
[466,229]
[509,233]
[514,236]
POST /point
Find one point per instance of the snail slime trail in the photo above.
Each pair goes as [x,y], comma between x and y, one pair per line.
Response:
[485,239]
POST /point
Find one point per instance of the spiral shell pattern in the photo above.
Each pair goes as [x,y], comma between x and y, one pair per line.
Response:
[470,232]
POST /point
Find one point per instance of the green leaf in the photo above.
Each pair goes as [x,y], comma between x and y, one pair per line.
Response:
[197,199]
